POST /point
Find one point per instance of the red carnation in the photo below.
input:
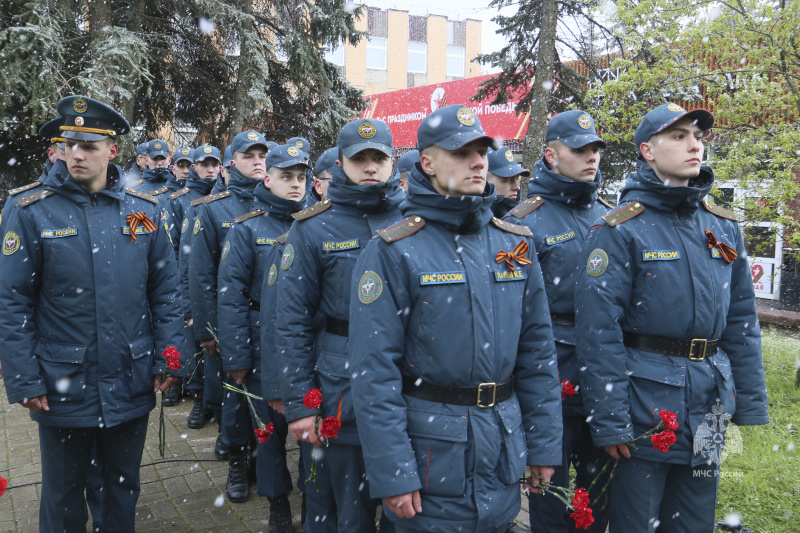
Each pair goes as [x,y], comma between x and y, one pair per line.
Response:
[670,419]
[3,485]
[330,427]
[580,500]
[583,518]
[263,434]
[567,389]
[662,441]
[173,357]
[313,399]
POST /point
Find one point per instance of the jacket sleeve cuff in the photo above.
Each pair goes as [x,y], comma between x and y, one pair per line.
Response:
[750,420]
[30,392]
[392,476]
[620,438]
[297,411]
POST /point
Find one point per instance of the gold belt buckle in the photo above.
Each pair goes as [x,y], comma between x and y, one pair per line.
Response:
[698,343]
[483,386]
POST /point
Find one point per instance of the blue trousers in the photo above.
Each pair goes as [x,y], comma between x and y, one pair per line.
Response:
[196,367]
[237,426]
[66,454]
[651,497]
[355,508]
[547,513]
[94,490]
[212,382]
[320,503]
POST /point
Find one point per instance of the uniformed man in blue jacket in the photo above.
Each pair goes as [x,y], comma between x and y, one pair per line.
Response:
[452,357]
[405,165]
[322,172]
[251,246]
[79,349]
[139,164]
[315,272]
[506,176]
[562,205]
[666,321]
[214,217]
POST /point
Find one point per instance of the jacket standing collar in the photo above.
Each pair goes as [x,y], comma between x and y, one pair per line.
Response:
[644,186]
[372,198]
[557,188]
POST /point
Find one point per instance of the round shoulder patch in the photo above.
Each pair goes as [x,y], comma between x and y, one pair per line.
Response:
[185,225]
[369,287]
[10,243]
[226,250]
[585,121]
[252,136]
[293,151]
[597,263]
[196,229]
[272,276]
[80,105]
[367,130]
[287,258]
[465,116]
[674,107]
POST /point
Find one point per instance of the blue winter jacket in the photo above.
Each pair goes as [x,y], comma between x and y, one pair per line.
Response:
[559,212]
[436,306]
[314,279]
[88,311]
[654,274]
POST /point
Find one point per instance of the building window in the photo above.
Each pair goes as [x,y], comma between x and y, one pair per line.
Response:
[417,56]
[376,52]
[455,61]
[335,55]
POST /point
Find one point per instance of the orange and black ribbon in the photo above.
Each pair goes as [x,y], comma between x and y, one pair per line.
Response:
[517,254]
[727,253]
[134,219]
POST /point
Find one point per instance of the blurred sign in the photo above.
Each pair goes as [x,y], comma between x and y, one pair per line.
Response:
[763,274]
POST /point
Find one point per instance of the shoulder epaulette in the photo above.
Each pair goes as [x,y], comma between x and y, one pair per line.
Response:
[156,192]
[248,216]
[135,184]
[720,211]
[179,193]
[516,229]
[623,214]
[282,238]
[198,201]
[315,209]
[35,197]
[403,229]
[215,197]
[528,206]
[24,188]
[605,202]
[140,194]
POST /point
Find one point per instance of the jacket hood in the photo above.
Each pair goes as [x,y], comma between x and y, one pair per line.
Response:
[557,188]
[276,206]
[60,181]
[157,175]
[460,214]
[371,198]
[196,183]
[644,186]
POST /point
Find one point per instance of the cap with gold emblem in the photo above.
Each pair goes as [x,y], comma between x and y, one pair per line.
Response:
[573,128]
[665,116]
[286,155]
[157,147]
[363,134]
[86,119]
[302,144]
[246,140]
[451,127]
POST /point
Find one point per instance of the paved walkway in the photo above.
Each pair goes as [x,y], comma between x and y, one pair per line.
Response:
[186,495]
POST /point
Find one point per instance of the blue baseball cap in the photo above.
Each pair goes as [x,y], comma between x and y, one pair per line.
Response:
[327,160]
[502,164]
[52,130]
[157,147]
[407,161]
[86,119]
[246,140]
[141,149]
[363,134]
[573,128]
[201,153]
[228,157]
[665,116]
[183,153]
[301,143]
[271,144]
[286,156]
[451,127]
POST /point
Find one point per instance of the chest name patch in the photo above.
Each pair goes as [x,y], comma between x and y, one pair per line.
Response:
[126,230]
[334,246]
[558,239]
[660,255]
[263,241]
[441,278]
[227,224]
[506,275]
[58,233]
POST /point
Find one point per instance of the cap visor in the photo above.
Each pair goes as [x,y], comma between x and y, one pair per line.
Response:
[579,141]
[245,147]
[457,140]
[207,156]
[290,163]
[704,119]
[352,150]
[83,136]
[153,155]
[510,171]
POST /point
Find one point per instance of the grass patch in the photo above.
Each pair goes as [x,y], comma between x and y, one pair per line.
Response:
[762,485]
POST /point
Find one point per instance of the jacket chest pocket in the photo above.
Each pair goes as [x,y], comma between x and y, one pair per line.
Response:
[440,447]
[63,370]
[67,257]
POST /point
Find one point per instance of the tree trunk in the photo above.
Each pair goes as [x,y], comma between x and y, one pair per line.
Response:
[242,79]
[542,87]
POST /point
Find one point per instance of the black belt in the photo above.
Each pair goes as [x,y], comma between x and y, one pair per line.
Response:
[562,319]
[694,349]
[484,395]
[255,306]
[337,327]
